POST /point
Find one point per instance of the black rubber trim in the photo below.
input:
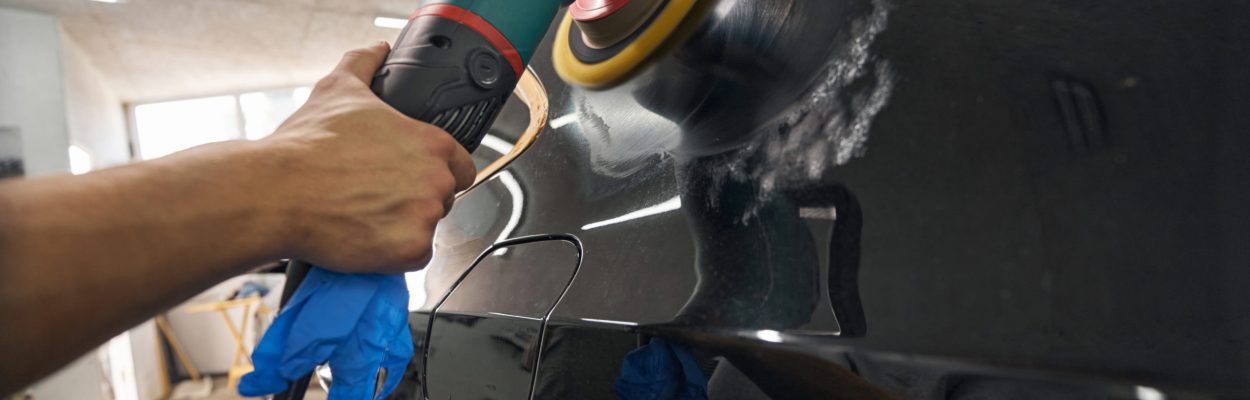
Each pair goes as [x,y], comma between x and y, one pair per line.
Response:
[591,55]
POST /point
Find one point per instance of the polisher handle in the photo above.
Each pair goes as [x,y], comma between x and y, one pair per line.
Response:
[452,78]
[457,61]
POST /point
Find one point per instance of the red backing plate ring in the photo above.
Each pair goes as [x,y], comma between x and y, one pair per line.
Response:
[479,24]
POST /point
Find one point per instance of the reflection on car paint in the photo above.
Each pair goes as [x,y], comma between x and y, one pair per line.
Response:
[726,201]
[487,324]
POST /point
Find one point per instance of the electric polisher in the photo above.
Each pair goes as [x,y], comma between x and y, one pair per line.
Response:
[454,65]
[457,61]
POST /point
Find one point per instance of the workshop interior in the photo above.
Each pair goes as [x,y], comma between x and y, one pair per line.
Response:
[698,199]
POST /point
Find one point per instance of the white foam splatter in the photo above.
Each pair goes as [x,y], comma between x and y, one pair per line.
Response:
[829,127]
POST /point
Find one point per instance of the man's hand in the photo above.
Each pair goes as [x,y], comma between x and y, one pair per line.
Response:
[363,185]
[347,183]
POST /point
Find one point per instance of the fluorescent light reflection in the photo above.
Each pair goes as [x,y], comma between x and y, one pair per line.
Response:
[670,205]
[609,322]
[497,145]
[510,183]
[391,23]
[563,121]
[514,316]
[1149,393]
[416,289]
[518,205]
[769,336]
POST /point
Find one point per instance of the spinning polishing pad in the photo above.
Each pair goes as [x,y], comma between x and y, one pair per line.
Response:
[602,41]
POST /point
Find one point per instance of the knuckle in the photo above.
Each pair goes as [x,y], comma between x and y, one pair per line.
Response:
[442,145]
[424,261]
[465,176]
[430,212]
[330,79]
[340,81]
[448,206]
[356,52]
[430,129]
[414,250]
[328,82]
[444,183]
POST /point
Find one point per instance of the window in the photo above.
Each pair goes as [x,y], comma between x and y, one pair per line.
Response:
[264,111]
[80,161]
[168,127]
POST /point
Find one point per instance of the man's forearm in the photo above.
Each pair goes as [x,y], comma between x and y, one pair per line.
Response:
[347,182]
[83,258]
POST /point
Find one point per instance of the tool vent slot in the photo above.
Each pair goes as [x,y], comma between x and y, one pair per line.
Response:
[466,123]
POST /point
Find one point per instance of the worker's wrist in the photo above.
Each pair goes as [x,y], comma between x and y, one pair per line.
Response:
[271,162]
[249,175]
[268,165]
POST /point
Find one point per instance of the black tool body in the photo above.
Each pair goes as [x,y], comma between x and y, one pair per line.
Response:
[448,75]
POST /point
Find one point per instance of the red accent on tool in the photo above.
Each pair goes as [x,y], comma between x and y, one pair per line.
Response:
[479,24]
[593,10]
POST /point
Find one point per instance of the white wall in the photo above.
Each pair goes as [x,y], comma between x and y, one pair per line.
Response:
[97,123]
[32,90]
[94,114]
[208,342]
[32,99]
[148,375]
[50,91]
[82,379]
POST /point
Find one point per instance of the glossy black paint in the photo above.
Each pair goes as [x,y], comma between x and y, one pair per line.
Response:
[495,328]
[857,199]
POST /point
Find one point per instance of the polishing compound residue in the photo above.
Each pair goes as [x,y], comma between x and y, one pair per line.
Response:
[637,140]
[828,128]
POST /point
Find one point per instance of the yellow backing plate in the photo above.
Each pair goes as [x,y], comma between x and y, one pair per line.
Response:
[576,72]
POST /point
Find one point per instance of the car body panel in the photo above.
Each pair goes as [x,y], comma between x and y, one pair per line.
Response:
[909,199]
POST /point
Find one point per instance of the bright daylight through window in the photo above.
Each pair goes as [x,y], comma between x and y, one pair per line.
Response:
[168,127]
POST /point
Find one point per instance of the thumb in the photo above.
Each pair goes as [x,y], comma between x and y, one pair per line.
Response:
[363,62]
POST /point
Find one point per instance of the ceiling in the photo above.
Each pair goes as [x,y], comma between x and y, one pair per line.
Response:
[150,50]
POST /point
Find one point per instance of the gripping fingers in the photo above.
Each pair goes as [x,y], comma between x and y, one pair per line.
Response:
[362,63]
[447,204]
[462,167]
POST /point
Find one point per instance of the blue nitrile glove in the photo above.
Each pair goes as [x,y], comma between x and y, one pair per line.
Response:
[661,370]
[358,323]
